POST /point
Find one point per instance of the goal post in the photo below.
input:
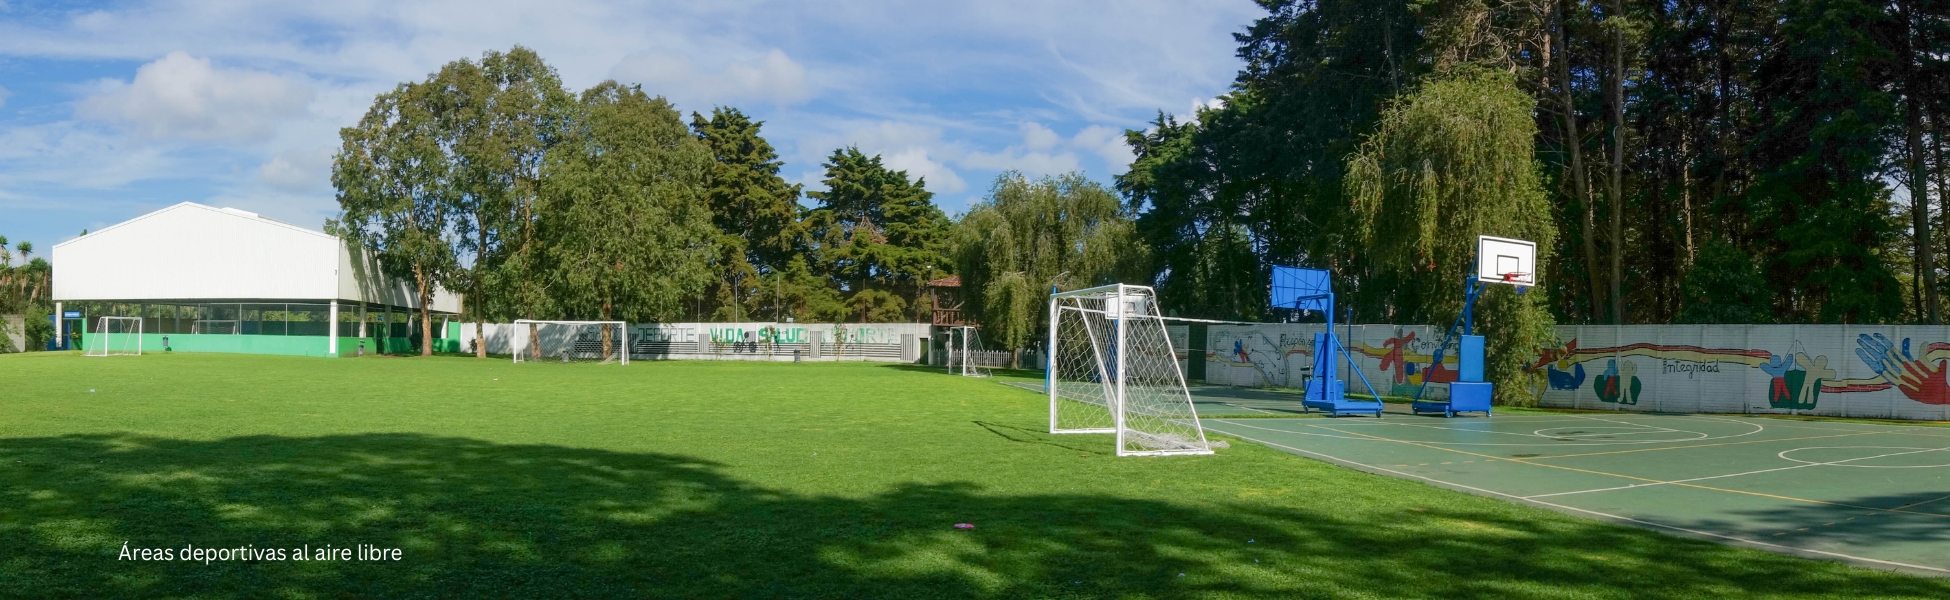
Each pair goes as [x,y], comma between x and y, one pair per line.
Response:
[117,336]
[966,355]
[570,341]
[1112,370]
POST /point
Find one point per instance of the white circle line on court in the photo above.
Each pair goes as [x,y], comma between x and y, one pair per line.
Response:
[1841,463]
[1757,428]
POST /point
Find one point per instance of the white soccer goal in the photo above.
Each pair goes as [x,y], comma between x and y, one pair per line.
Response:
[215,327]
[117,336]
[1112,370]
[571,341]
[966,356]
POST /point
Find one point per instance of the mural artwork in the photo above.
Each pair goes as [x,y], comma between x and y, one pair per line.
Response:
[1884,372]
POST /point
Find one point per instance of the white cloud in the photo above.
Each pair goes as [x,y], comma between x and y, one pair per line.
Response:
[181,96]
[773,77]
[1038,136]
[916,162]
[1107,143]
[298,170]
[4,95]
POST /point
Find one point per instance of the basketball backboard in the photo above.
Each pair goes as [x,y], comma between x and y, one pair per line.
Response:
[1302,289]
[1504,260]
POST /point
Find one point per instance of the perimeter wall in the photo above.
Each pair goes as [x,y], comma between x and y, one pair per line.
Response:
[884,342]
[1831,370]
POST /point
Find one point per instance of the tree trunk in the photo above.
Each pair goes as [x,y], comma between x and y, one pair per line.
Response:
[607,308]
[1618,176]
[1919,187]
[1581,186]
[426,312]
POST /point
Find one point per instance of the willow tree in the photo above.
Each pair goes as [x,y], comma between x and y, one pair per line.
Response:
[1448,162]
[1027,236]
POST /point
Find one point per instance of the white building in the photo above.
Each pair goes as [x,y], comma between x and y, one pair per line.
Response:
[226,280]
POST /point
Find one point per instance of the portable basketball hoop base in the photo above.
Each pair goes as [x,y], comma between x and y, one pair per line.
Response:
[1498,260]
[1313,289]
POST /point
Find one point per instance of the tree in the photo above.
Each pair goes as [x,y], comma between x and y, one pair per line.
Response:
[1030,235]
[1449,162]
[878,234]
[1724,286]
[397,190]
[755,210]
[498,120]
[622,210]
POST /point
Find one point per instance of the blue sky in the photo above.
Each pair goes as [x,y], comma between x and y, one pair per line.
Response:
[110,111]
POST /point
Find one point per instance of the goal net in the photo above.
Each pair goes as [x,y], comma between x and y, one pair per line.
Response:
[1112,370]
[215,327]
[966,356]
[117,336]
[571,341]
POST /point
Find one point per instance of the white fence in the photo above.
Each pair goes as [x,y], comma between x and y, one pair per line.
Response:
[880,342]
[1833,370]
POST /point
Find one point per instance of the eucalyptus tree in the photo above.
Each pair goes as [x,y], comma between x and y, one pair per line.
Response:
[500,115]
[397,192]
[1028,236]
[622,215]
[1449,162]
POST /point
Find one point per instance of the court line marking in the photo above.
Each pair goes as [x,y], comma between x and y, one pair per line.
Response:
[1915,504]
[1773,470]
[1757,429]
[1520,499]
[1784,456]
[1631,477]
[1793,439]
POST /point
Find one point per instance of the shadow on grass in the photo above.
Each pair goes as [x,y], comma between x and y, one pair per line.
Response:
[482,519]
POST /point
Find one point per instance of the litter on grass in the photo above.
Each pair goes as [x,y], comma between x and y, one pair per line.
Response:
[964,526]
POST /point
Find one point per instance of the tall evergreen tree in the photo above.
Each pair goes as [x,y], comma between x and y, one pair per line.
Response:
[878,234]
[755,210]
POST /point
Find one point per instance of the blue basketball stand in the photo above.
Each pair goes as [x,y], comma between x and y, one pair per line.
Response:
[1469,393]
[1312,289]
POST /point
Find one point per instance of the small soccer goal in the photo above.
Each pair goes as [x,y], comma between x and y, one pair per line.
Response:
[571,341]
[966,356]
[116,336]
[215,327]
[1112,370]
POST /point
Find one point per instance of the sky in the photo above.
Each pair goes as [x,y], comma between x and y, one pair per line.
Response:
[110,111]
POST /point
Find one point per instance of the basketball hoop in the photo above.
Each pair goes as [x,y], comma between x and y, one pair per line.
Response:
[1506,261]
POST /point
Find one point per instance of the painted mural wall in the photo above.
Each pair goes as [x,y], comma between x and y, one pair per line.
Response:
[1830,370]
[1396,360]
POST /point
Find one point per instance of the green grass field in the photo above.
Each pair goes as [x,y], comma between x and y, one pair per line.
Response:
[741,480]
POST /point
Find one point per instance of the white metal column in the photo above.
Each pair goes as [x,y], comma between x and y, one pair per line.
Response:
[332,331]
[60,327]
[1117,404]
[1049,363]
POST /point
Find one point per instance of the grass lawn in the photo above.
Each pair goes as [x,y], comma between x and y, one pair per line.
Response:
[741,480]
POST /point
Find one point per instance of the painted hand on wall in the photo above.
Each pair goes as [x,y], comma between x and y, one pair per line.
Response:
[1918,380]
